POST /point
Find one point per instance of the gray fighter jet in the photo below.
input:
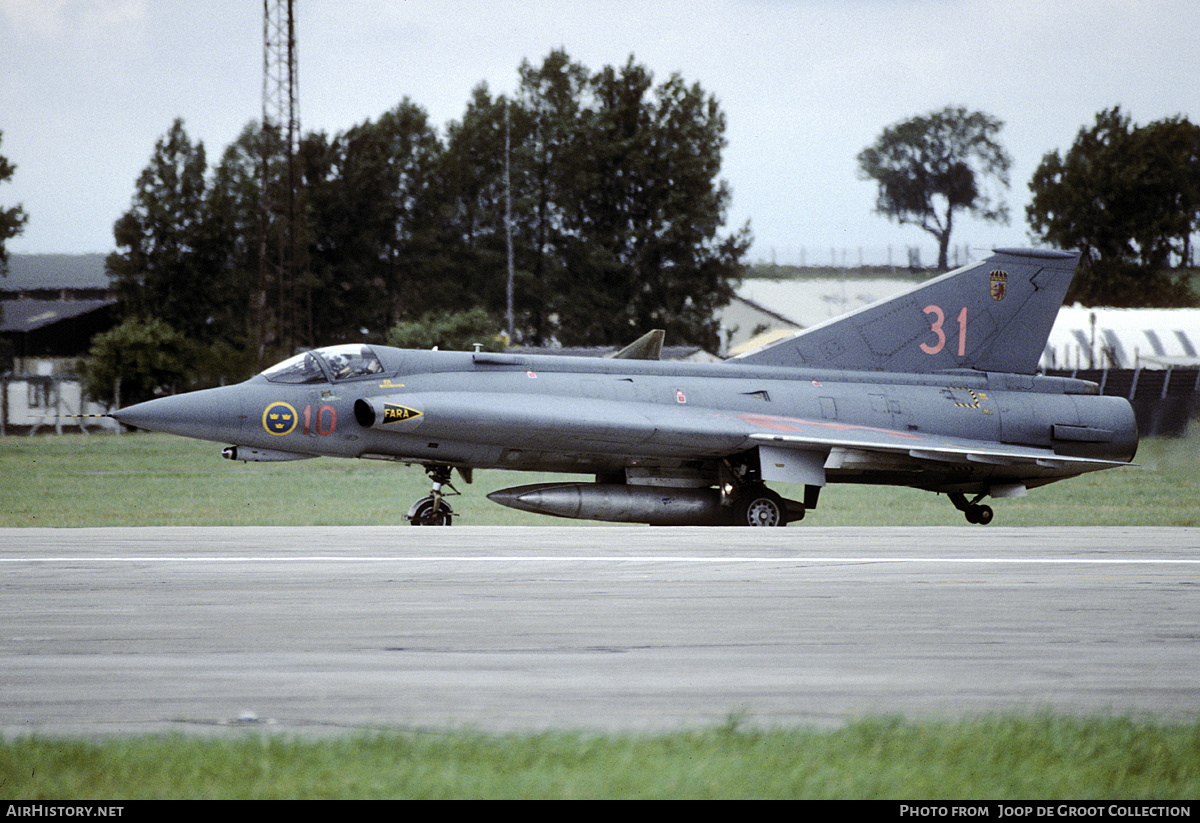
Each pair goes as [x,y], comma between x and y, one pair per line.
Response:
[933,389]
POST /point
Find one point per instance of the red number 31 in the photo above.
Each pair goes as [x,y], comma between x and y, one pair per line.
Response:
[939,317]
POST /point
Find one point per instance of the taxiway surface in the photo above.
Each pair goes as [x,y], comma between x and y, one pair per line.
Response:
[313,630]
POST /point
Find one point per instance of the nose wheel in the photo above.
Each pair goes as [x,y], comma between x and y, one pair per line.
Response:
[434,510]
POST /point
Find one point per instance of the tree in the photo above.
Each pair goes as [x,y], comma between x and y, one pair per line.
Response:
[619,207]
[932,166]
[453,331]
[234,230]
[1175,145]
[188,249]
[137,360]
[471,171]
[618,214]
[546,162]
[1128,198]
[12,220]
[166,268]
[373,225]
[651,207]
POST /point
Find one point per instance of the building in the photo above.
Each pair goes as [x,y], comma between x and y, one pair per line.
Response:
[51,306]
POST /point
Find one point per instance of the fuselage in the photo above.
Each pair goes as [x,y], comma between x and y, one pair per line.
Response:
[604,417]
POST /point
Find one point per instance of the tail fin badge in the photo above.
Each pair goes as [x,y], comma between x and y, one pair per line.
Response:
[999,283]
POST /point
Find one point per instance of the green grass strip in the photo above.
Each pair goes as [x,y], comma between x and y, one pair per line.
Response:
[134,480]
[993,757]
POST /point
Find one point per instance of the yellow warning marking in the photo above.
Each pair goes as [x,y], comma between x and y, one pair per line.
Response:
[393,413]
[975,396]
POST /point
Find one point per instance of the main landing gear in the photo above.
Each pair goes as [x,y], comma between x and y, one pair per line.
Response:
[747,501]
[434,510]
[756,505]
[974,512]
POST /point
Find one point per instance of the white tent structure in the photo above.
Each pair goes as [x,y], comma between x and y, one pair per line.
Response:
[1085,338]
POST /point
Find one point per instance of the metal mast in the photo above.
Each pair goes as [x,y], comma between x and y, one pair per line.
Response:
[510,317]
[284,311]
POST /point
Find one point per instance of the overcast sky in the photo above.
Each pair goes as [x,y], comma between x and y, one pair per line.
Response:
[88,86]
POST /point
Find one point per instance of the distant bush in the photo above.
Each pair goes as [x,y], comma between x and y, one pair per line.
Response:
[457,331]
[136,361]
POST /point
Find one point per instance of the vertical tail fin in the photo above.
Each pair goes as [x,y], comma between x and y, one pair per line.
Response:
[647,347]
[994,315]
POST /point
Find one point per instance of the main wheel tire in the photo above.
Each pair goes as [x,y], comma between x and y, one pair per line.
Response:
[980,515]
[760,507]
[424,514]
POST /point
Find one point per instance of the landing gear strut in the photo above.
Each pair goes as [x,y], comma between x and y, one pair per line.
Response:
[434,510]
[974,512]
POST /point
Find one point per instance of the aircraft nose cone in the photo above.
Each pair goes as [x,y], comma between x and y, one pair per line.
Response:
[212,414]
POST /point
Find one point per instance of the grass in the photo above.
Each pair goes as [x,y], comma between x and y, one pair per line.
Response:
[154,480]
[994,757]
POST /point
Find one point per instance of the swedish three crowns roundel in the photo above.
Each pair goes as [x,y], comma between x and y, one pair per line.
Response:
[279,418]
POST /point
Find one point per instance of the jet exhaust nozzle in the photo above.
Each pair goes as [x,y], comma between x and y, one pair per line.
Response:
[615,503]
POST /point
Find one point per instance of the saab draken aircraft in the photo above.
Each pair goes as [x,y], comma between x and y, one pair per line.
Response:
[934,389]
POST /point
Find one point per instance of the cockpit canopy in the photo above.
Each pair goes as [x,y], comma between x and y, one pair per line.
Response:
[332,363]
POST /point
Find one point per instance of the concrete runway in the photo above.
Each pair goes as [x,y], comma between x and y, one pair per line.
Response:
[317,630]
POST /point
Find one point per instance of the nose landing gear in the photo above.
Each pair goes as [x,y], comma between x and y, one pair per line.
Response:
[434,510]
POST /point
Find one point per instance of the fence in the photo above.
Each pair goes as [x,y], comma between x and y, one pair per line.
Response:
[850,257]
[895,256]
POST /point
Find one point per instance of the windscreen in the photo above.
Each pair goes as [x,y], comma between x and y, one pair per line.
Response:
[303,368]
[339,362]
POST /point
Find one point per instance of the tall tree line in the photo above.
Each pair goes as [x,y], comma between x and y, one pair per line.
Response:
[618,217]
